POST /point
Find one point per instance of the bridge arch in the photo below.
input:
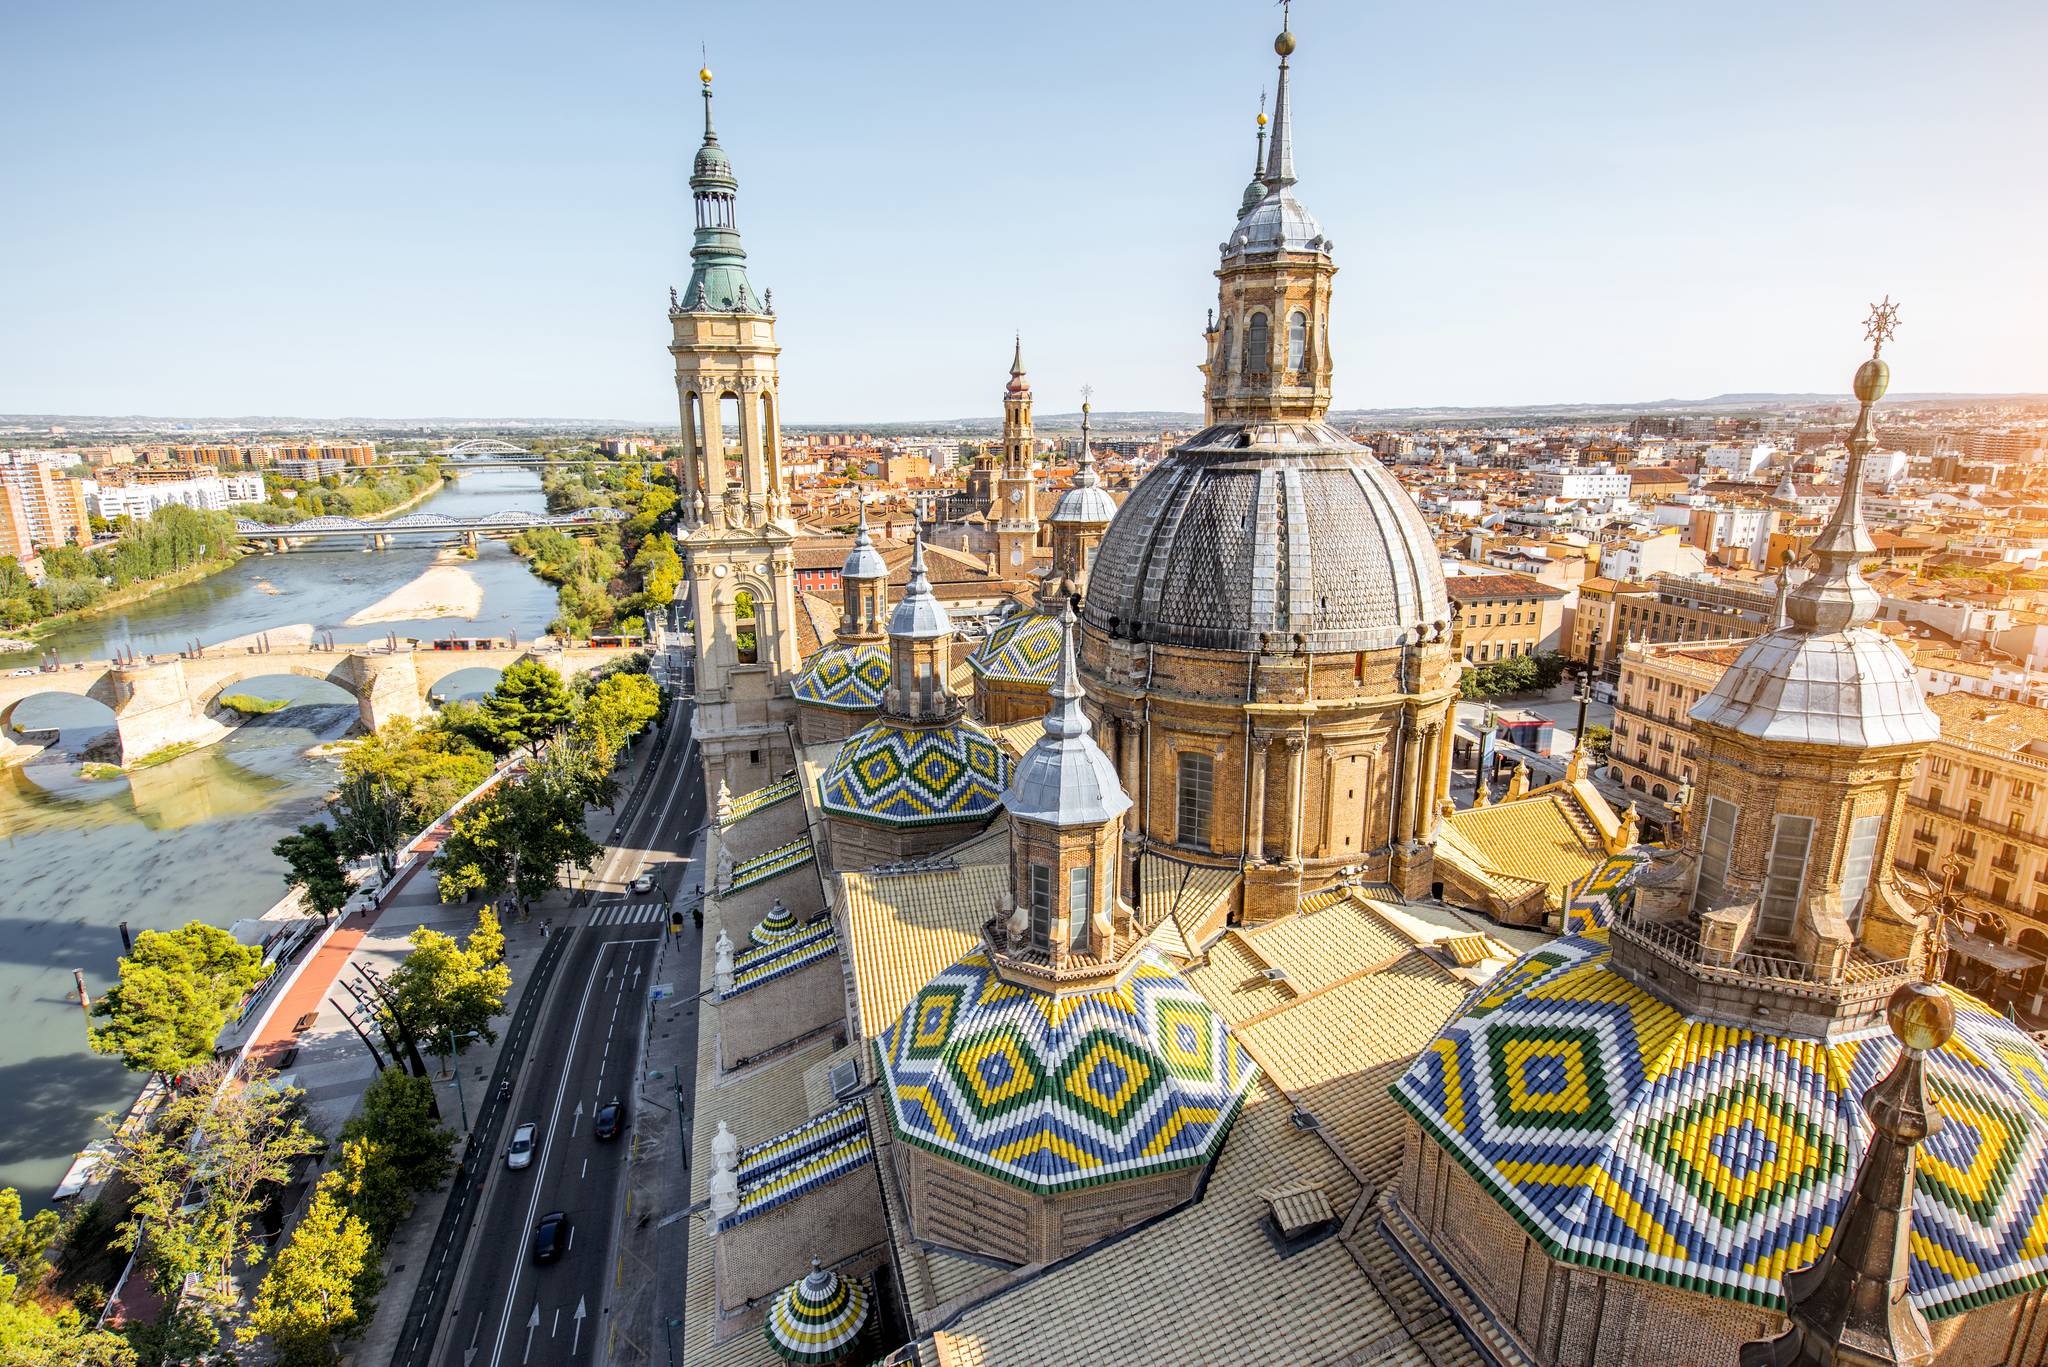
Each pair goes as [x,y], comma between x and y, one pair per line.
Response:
[207,698]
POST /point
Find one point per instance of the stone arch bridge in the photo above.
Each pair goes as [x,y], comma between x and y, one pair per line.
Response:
[174,701]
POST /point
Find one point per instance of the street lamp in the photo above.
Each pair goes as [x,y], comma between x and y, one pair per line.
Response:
[455,1069]
[1487,721]
[1586,689]
[671,1325]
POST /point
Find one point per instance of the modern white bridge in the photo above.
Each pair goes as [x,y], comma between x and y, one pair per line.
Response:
[377,532]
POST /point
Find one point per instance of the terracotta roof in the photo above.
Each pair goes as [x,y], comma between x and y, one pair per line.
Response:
[1468,588]
[1551,838]
[1995,725]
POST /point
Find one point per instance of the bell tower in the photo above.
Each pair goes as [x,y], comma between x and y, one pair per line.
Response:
[1017,489]
[737,531]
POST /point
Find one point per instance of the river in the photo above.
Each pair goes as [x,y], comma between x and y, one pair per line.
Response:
[190,840]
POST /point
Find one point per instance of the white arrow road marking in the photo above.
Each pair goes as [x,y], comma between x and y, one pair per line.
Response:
[578,1336]
[532,1323]
[469,1353]
[577,1121]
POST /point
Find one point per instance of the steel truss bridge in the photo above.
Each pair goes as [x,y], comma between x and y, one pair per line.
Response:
[377,531]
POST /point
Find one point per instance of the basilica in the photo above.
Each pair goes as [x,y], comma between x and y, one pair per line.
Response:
[1122,986]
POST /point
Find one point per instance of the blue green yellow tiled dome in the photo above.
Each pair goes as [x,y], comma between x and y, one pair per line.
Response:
[1627,1136]
[818,1318]
[904,775]
[851,678]
[1055,1092]
[1025,648]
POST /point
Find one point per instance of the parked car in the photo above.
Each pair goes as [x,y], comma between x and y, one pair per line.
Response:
[520,1152]
[610,1119]
[551,1236]
[644,883]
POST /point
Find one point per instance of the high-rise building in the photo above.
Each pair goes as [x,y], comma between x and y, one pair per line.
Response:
[737,528]
[40,506]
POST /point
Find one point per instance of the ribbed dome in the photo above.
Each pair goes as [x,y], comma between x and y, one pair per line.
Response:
[1852,688]
[1277,535]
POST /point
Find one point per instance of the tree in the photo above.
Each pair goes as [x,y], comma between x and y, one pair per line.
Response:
[446,987]
[200,1174]
[475,860]
[1599,742]
[62,1338]
[429,765]
[617,708]
[24,1246]
[320,1288]
[369,820]
[392,1149]
[313,865]
[176,990]
[527,708]
[544,820]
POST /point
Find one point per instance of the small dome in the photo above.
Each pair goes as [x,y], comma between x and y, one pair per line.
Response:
[1022,648]
[848,678]
[1065,779]
[1253,535]
[920,615]
[1050,1094]
[1853,688]
[899,775]
[1277,222]
[817,1319]
[779,924]
[863,561]
[1085,503]
[711,164]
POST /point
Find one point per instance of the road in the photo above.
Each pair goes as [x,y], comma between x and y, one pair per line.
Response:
[497,1307]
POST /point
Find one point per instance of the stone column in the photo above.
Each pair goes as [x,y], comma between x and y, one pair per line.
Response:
[1432,743]
[1447,731]
[1255,823]
[1297,761]
[1413,784]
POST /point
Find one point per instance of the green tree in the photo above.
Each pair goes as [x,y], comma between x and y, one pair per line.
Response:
[200,1174]
[392,1149]
[527,708]
[445,986]
[1599,742]
[319,1290]
[544,821]
[313,865]
[32,1335]
[24,1246]
[369,819]
[618,708]
[475,859]
[176,990]
[429,765]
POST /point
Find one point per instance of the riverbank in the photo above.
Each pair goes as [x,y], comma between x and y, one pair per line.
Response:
[445,588]
[36,632]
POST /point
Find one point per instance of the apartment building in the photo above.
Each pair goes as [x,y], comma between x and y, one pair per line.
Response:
[40,506]
[1504,614]
[209,492]
[1653,751]
[1581,483]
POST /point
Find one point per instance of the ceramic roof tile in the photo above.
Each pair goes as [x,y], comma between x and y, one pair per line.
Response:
[845,676]
[904,929]
[916,775]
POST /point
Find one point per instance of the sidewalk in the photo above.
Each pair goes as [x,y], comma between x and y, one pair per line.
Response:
[647,1286]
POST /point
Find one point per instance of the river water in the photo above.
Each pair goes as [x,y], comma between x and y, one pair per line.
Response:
[190,839]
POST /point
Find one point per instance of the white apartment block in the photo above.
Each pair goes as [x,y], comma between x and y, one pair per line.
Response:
[208,494]
[1580,483]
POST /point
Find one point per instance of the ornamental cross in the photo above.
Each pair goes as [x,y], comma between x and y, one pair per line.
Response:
[1881,324]
[1948,906]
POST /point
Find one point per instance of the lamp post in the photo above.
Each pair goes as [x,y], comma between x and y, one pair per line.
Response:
[670,1325]
[1586,688]
[455,1069]
[1487,721]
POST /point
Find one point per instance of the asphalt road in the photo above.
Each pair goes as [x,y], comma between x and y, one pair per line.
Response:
[501,1309]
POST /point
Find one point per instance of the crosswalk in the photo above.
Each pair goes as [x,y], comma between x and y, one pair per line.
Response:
[627,915]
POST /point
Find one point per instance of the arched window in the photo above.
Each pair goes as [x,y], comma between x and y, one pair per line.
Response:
[1657,791]
[1223,354]
[1297,340]
[1258,348]
[744,627]
[731,427]
[1636,783]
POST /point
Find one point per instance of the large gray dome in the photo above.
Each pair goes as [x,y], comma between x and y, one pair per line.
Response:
[1273,535]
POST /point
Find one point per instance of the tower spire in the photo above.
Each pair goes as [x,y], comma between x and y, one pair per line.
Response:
[718,269]
[1835,596]
[1256,189]
[1280,156]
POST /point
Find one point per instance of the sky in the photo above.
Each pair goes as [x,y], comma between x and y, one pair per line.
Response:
[476,210]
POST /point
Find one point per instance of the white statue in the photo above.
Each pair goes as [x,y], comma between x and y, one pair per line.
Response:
[721,968]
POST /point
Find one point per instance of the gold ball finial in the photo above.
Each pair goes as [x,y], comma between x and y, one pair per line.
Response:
[1922,1015]
[704,75]
[1262,118]
[1284,44]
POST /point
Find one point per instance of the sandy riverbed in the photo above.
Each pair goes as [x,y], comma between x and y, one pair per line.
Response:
[446,589]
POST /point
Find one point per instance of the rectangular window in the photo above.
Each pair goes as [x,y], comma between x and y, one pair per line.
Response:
[1080,907]
[1197,784]
[1717,841]
[1040,893]
[1785,876]
[1856,865]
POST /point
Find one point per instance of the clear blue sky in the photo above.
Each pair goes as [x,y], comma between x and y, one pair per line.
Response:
[476,210]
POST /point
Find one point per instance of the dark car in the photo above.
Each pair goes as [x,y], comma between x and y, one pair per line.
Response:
[610,1119]
[550,1236]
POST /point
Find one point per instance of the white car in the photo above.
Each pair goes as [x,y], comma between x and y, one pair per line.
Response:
[521,1152]
[644,883]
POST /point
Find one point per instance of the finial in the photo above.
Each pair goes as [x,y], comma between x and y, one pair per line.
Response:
[1017,356]
[1948,904]
[1284,44]
[704,61]
[1880,325]
[1279,171]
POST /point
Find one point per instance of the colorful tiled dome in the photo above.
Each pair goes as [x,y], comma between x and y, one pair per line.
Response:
[817,1319]
[1627,1136]
[1023,648]
[850,678]
[1051,1093]
[916,775]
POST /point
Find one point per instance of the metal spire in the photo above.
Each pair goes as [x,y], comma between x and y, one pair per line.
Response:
[1066,719]
[1084,472]
[1017,357]
[1255,190]
[1835,596]
[1280,156]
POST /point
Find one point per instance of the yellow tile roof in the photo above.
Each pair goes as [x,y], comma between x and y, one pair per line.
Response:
[903,928]
[1019,736]
[1552,838]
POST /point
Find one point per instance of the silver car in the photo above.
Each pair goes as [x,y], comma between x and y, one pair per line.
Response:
[521,1151]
